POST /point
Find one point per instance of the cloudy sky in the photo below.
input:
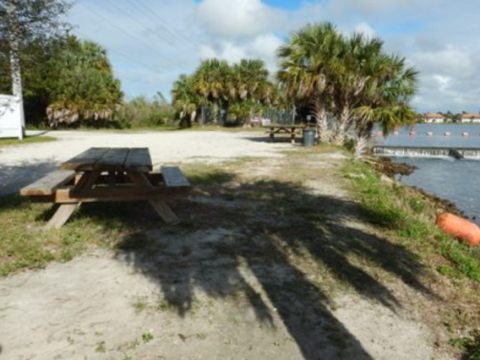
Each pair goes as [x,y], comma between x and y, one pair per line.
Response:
[151,42]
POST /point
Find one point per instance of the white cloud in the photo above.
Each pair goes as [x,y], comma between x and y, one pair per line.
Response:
[236,18]
[365,29]
[447,60]
[151,42]
[265,46]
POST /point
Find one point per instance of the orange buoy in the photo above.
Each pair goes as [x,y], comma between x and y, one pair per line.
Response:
[460,228]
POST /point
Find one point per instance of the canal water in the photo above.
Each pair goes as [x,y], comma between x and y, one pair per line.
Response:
[455,180]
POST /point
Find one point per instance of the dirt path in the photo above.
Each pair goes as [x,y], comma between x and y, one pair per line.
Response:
[263,267]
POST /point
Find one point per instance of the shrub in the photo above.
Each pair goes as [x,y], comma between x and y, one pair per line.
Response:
[142,112]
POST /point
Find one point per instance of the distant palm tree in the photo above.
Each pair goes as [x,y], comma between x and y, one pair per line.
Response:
[185,99]
[212,81]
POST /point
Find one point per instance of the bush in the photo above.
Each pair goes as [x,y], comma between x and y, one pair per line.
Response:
[141,112]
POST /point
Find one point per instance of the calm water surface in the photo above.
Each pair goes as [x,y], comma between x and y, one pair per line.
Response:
[437,139]
[455,180]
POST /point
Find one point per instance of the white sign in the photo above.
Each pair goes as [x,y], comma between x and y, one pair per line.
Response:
[10,117]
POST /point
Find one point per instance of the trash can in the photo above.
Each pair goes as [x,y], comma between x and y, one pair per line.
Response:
[308,137]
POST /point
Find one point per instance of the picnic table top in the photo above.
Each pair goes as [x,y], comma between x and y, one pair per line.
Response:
[111,159]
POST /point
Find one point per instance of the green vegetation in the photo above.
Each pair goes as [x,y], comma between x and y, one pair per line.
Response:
[230,94]
[101,347]
[399,210]
[470,345]
[80,85]
[147,337]
[26,140]
[25,244]
[348,78]
[141,112]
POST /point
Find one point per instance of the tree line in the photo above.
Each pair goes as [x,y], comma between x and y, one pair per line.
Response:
[347,83]
[233,93]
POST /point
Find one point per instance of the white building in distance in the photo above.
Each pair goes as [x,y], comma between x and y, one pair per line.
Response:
[434,118]
[470,118]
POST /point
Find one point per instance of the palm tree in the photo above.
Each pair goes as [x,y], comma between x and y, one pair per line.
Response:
[351,79]
[212,81]
[185,99]
[308,62]
[251,79]
[389,89]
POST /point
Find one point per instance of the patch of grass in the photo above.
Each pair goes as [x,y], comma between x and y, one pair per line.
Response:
[203,174]
[411,218]
[140,305]
[26,140]
[24,243]
[101,347]
[470,345]
[164,305]
[147,337]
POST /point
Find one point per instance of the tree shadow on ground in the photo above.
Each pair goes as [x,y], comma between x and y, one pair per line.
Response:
[13,178]
[266,228]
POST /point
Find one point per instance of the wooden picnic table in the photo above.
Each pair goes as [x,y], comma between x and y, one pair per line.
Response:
[284,128]
[109,174]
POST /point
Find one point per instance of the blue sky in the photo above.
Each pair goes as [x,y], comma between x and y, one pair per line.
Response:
[151,42]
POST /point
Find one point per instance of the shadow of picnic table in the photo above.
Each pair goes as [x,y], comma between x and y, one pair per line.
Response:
[266,227]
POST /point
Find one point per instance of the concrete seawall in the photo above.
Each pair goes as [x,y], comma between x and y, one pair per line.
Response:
[435,152]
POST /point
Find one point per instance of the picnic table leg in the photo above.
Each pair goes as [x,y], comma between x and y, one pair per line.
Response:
[292,136]
[61,216]
[272,136]
[87,180]
[64,211]
[160,206]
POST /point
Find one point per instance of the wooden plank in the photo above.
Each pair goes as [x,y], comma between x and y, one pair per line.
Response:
[139,159]
[165,212]
[173,177]
[61,216]
[87,180]
[47,184]
[116,193]
[160,206]
[112,160]
[85,160]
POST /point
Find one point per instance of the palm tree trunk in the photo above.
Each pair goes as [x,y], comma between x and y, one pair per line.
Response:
[361,145]
[363,140]
[342,126]
[193,117]
[13,39]
[320,114]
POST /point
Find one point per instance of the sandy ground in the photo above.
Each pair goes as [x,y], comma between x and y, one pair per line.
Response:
[185,299]
[20,165]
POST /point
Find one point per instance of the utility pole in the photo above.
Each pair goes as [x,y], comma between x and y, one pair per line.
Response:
[15,69]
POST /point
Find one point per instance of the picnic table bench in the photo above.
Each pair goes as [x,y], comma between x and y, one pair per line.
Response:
[109,174]
[291,129]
